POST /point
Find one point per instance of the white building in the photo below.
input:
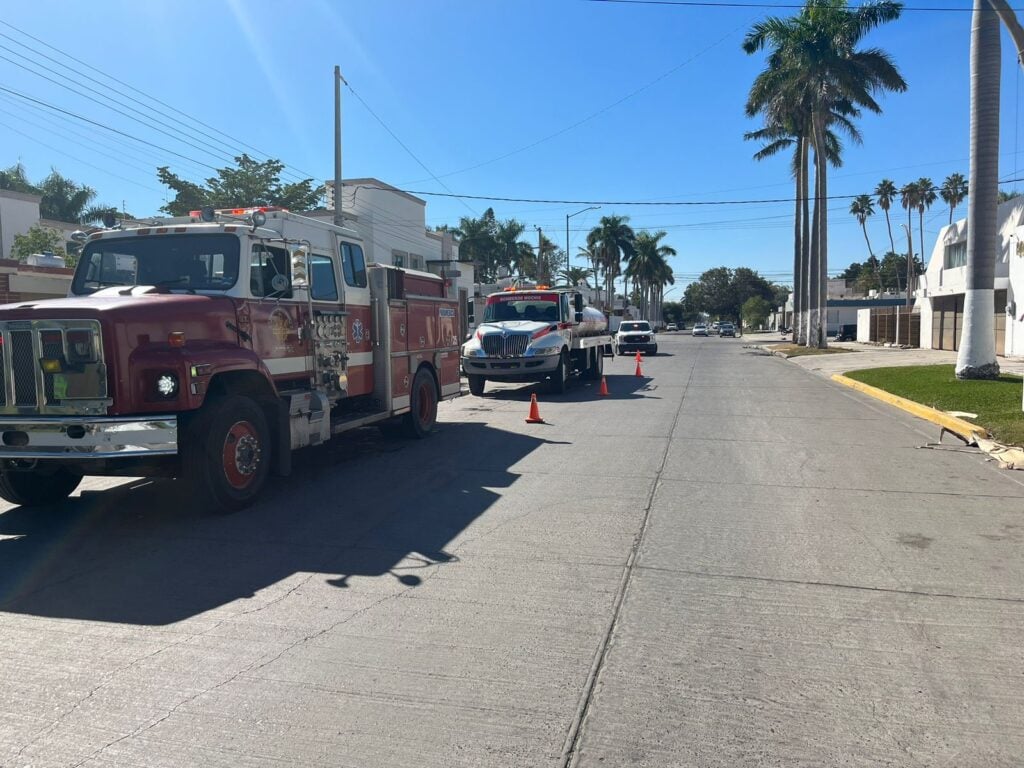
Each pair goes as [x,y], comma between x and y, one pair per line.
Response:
[941,292]
[19,212]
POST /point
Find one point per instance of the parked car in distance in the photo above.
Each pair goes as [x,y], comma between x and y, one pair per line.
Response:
[636,336]
[700,330]
[727,329]
[847,332]
[671,327]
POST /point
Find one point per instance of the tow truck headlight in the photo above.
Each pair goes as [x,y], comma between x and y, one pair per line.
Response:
[549,350]
[167,385]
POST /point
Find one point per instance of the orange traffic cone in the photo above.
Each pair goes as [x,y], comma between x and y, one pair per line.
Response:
[638,371]
[534,417]
[604,387]
[638,357]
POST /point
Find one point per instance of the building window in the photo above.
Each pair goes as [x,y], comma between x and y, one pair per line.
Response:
[956,255]
[399,258]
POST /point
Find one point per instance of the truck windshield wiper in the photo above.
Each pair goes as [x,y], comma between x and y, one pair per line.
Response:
[174,283]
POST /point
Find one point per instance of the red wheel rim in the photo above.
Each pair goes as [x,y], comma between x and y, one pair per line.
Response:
[426,404]
[241,456]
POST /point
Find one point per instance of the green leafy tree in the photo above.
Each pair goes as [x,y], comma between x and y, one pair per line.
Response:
[755,311]
[40,239]
[15,179]
[249,183]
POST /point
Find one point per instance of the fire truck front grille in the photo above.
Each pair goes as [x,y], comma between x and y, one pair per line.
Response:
[23,366]
[499,345]
[77,385]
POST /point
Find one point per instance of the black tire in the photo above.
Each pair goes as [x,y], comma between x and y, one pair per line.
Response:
[38,488]
[422,416]
[226,453]
[560,377]
[596,369]
[476,384]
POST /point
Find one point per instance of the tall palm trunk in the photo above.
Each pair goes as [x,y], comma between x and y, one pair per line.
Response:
[797,243]
[888,225]
[976,358]
[805,240]
[811,289]
[910,255]
[920,242]
[821,181]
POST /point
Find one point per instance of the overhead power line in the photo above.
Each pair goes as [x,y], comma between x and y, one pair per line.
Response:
[298,173]
[84,119]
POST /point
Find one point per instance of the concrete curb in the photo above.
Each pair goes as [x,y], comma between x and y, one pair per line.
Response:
[964,429]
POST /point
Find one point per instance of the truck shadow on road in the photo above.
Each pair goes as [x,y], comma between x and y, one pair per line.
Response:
[620,386]
[363,505]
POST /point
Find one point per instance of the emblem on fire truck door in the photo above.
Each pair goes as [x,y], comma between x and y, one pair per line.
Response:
[280,325]
[357,331]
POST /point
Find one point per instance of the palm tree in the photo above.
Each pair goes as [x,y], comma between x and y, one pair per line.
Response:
[613,239]
[953,191]
[647,267]
[886,193]
[575,275]
[862,208]
[925,197]
[507,236]
[910,196]
[976,358]
[814,62]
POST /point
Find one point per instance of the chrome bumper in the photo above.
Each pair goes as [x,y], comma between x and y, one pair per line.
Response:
[87,438]
[498,367]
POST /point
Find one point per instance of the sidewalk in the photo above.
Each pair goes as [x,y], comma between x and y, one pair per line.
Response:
[869,356]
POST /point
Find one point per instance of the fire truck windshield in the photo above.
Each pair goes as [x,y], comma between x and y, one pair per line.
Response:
[542,307]
[206,262]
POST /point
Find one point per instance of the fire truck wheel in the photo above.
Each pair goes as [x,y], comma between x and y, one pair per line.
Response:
[422,416]
[226,453]
[38,489]
[560,377]
[476,384]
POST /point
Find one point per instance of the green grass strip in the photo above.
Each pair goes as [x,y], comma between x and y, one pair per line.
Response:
[997,403]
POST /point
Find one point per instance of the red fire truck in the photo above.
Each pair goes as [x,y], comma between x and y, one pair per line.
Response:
[208,348]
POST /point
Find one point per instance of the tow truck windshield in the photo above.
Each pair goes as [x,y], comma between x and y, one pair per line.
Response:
[207,262]
[541,307]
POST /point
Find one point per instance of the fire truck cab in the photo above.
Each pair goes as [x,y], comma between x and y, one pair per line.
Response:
[209,347]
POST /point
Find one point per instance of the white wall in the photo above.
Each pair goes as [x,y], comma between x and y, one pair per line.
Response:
[942,281]
[863,325]
[18,213]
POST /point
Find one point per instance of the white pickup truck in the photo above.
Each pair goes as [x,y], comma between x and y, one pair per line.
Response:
[536,335]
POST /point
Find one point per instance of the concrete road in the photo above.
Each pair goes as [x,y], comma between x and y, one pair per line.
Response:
[729,561]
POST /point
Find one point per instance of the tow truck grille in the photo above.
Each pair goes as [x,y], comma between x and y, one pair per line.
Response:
[499,345]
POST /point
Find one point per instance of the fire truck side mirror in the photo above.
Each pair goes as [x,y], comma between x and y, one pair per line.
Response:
[300,272]
[578,302]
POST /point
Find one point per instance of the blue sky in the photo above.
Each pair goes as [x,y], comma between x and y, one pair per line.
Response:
[581,100]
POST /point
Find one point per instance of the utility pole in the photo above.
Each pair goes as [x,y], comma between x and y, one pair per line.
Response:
[338,80]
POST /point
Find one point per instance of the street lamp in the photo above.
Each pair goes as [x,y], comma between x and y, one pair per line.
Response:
[567,217]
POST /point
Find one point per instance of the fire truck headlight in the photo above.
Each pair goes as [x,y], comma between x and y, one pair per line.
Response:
[167,385]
